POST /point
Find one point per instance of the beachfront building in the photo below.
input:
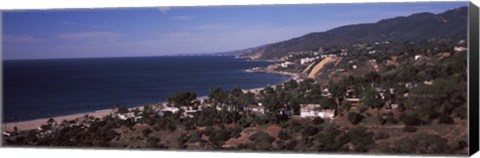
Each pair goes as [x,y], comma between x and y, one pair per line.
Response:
[129,115]
[286,64]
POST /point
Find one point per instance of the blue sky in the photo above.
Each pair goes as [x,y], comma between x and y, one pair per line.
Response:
[37,34]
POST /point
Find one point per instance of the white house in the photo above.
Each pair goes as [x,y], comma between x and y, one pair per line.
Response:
[286,64]
[313,110]
[428,82]
[306,60]
[309,110]
[459,49]
[417,57]
[129,115]
[171,109]
[326,93]
[255,109]
[326,114]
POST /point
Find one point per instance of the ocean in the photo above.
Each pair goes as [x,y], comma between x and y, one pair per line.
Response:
[34,89]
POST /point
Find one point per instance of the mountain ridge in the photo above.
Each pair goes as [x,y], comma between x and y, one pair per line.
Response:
[450,24]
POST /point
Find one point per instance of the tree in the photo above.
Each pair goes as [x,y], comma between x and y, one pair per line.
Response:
[292,84]
[371,98]
[122,109]
[217,96]
[372,77]
[327,103]
[337,90]
[183,99]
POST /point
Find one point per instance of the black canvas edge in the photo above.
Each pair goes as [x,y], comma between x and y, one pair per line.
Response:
[473,72]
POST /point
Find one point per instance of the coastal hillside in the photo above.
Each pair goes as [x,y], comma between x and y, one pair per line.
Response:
[421,26]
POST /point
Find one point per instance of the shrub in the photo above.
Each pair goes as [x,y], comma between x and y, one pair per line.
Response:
[291,145]
[152,142]
[194,137]
[409,129]
[236,132]
[362,109]
[460,145]
[219,136]
[354,117]
[380,136]
[146,132]
[172,127]
[283,135]
[361,138]
[280,145]
[209,131]
[411,120]
[317,120]
[309,131]
[262,141]
[445,119]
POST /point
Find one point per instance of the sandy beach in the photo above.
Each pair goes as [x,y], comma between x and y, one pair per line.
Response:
[33,124]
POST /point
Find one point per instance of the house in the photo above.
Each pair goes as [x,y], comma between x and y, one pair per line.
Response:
[417,57]
[286,64]
[428,82]
[313,110]
[354,102]
[129,115]
[326,114]
[171,109]
[326,93]
[6,134]
[189,113]
[459,49]
[309,110]
[350,93]
[306,60]
[255,109]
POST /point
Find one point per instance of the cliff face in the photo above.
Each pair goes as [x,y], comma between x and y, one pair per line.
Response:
[451,24]
[320,65]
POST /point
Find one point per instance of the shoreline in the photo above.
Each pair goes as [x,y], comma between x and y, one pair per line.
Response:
[35,123]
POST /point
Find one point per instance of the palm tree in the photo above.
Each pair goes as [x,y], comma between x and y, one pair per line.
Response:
[15,120]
